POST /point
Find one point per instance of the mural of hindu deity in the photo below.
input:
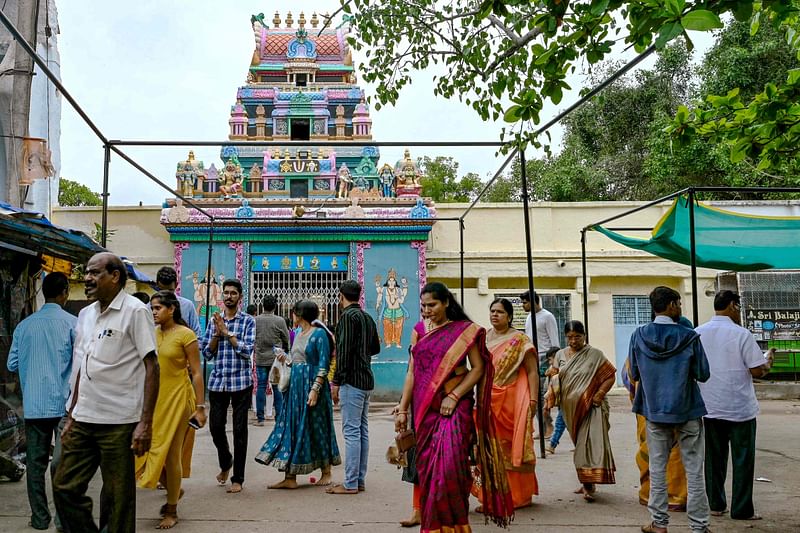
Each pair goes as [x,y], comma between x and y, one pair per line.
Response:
[213,290]
[390,306]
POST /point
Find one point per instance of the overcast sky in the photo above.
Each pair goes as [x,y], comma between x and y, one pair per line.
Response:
[142,71]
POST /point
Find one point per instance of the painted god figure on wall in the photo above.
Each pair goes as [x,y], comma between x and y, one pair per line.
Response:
[201,288]
[392,313]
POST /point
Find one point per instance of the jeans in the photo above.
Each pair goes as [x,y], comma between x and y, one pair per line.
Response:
[355,427]
[561,426]
[660,438]
[741,437]
[39,434]
[261,394]
[240,400]
[85,448]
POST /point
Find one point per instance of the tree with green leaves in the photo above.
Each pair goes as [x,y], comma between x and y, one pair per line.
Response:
[500,51]
[74,194]
[441,182]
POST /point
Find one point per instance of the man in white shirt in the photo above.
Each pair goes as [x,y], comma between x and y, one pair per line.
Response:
[735,359]
[110,418]
[546,337]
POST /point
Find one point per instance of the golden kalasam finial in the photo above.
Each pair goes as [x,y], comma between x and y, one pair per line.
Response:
[314,20]
[302,20]
[289,20]
[277,20]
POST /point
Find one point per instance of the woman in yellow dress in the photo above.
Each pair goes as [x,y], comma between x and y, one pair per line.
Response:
[178,354]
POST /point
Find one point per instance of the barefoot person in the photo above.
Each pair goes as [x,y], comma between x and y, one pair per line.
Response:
[229,341]
[303,439]
[441,384]
[515,391]
[177,403]
[579,389]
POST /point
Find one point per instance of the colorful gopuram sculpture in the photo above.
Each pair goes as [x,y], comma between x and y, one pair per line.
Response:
[301,86]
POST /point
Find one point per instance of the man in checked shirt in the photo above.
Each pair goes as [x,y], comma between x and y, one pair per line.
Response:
[228,341]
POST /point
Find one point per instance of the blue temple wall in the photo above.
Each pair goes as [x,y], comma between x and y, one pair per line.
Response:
[193,275]
[390,365]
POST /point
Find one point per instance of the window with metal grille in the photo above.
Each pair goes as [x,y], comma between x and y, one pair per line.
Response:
[560,306]
[769,290]
[631,310]
[291,287]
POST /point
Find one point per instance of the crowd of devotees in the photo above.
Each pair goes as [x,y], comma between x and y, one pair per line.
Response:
[120,387]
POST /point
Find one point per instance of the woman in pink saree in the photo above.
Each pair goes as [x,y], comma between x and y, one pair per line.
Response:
[439,387]
[515,391]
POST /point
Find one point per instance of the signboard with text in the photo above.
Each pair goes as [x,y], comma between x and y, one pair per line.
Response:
[302,262]
[773,324]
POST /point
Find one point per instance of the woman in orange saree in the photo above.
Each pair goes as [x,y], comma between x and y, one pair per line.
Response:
[579,388]
[515,389]
[439,386]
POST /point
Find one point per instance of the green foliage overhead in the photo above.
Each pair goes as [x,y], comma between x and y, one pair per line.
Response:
[441,181]
[507,59]
[74,194]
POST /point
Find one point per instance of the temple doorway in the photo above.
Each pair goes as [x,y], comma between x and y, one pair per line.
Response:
[290,287]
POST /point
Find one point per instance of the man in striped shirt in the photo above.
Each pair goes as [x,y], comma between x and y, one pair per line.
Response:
[229,341]
[356,342]
[42,354]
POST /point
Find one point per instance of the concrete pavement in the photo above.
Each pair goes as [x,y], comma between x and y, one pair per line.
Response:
[207,508]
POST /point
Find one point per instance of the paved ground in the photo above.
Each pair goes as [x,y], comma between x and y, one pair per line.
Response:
[207,508]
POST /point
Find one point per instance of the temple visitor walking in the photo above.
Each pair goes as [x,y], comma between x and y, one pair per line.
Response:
[730,398]
[579,389]
[271,335]
[180,408]
[440,387]
[167,280]
[667,360]
[546,338]
[303,439]
[515,393]
[41,351]
[228,341]
[356,342]
[111,416]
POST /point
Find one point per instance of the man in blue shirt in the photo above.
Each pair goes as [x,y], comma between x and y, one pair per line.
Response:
[229,341]
[167,280]
[41,352]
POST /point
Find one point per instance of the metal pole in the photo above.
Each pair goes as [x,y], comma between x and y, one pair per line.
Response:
[585,284]
[461,254]
[208,289]
[693,256]
[104,218]
[529,257]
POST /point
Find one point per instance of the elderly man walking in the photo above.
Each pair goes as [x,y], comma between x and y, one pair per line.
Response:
[41,351]
[356,342]
[730,397]
[668,360]
[115,393]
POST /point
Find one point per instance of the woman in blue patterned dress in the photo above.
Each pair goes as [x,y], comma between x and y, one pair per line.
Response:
[304,439]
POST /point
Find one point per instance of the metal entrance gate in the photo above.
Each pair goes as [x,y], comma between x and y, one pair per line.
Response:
[291,287]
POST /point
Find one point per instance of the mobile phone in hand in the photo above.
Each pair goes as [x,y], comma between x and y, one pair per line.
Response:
[193,423]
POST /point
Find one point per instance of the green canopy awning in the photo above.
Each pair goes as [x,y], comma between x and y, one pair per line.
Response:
[724,240]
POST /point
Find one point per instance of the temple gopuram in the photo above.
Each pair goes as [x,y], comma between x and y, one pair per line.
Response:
[295,221]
